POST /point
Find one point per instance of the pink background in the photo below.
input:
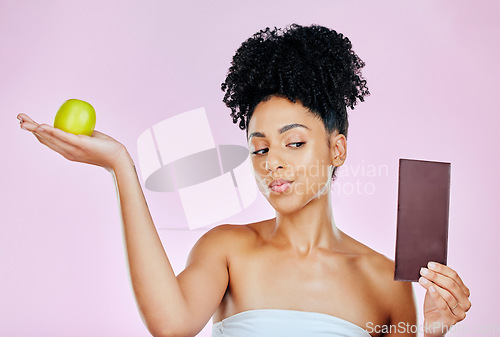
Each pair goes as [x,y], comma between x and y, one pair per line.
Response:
[432,68]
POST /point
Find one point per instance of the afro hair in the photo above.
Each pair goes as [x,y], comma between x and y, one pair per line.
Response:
[312,64]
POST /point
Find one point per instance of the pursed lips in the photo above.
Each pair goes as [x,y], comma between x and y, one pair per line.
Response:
[278,182]
[280,185]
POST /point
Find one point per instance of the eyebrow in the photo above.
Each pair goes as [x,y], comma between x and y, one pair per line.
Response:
[283,129]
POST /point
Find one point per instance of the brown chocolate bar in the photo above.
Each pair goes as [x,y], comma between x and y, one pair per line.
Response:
[422,221]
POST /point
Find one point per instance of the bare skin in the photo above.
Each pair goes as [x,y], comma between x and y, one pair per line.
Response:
[299,260]
[265,273]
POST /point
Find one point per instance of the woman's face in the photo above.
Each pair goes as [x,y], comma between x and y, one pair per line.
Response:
[286,141]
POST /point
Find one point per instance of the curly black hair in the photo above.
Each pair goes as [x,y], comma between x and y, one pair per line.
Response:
[314,65]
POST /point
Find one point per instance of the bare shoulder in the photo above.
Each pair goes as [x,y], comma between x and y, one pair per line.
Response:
[382,269]
[228,232]
[226,237]
[369,260]
[215,247]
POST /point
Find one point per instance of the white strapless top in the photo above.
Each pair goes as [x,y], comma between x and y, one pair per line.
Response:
[285,323]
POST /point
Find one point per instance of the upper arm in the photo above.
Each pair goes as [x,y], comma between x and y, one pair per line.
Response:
[403,318]
[204,280]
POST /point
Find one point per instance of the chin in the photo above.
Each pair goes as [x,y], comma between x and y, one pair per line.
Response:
[286,209]
[285,204]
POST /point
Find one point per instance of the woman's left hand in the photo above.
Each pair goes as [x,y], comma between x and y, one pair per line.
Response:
[446,299]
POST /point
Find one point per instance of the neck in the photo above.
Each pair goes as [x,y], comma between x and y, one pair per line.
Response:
[311,228]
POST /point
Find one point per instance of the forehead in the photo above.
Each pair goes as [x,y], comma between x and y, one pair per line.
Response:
[269,116]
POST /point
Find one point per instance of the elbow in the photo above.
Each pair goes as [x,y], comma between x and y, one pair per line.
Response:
[170,331]
[163,325]
[163,333]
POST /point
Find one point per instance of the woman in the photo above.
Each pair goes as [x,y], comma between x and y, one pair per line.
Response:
[296,274]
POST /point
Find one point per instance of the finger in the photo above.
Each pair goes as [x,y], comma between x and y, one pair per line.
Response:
[440,302]
[51,145]
[455,307]
[450,300]
[29,126]
[451,273]
[63,142]
[454,293]
[25,120]
[25,117]
[55,139]
[60,137]
[448,318]
[26,123]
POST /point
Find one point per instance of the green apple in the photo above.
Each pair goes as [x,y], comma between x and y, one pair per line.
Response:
[76,116]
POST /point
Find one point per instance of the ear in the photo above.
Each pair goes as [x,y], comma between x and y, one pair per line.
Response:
[338,148]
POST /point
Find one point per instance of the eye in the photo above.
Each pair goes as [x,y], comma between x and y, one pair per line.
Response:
[294,145]
[259,151]
[298,144]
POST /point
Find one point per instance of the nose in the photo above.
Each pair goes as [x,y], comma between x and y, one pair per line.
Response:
[274,163]
[273,167]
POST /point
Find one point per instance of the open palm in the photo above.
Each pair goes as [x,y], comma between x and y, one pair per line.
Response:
[98,149]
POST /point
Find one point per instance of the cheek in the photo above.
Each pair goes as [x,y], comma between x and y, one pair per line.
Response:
[258,167]
[314,172]
[259,172]
[312,166]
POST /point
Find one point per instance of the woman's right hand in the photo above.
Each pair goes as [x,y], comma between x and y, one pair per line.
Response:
[98,149]
[169,305]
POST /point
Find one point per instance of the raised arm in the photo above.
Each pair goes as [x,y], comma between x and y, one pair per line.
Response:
[169,305]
